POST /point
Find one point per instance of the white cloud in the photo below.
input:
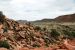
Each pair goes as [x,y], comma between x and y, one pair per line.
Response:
[36,9]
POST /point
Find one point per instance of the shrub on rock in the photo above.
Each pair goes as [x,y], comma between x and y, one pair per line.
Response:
[4,44]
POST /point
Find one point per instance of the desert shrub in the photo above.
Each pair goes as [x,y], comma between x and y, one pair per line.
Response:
[47,41]
[37,28]
[36,45]
[32,36]
[69,34]
[15,37]
[72,34]
[44,29]
[66,33]
[67,27]
[4,44]
[54,33]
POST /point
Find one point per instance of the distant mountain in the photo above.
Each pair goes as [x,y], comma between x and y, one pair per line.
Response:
[62,18]
[44,20]
[66,18]
[22,21]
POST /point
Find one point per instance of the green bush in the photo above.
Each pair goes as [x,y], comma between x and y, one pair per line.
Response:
[44,29]
[69,34]
[73,34]
[66,32]
[36,45]
[47,41]
[37,28]
[54,33]
[4,44]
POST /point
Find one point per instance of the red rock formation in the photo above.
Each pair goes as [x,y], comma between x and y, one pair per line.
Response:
[66,18]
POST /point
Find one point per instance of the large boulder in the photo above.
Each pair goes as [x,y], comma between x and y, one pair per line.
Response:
[3,49]
[2,17]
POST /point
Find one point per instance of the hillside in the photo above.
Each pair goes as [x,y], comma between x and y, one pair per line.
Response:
[66,18]
[44,20]
[16,36]
[62,18]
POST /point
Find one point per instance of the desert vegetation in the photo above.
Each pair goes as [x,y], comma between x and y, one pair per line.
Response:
[34,35]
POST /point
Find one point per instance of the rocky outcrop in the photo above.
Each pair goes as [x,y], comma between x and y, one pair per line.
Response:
[26,36]
[3,49]
[2,17]
[20,35]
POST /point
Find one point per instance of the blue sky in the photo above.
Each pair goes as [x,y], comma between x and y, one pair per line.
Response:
[36,9]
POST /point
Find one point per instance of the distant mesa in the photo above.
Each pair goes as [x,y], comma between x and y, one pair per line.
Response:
[44,20]
[66,18]
[63,18]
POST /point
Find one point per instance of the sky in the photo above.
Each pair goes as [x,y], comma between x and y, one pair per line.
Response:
[36,9]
